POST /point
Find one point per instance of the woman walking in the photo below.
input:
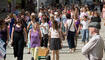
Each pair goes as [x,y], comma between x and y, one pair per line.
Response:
[18,37]
[55,42]
[35,40]
[70,26]
[29,27]
[4,34]
[44,27]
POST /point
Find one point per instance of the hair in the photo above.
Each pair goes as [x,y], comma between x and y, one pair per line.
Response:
[52,17]
[11,15]
[68,16]
[55,25]
[44,19]
[2,23]
[95,12]
[19,21]
[37,26]
[33,18]
[86,17]
[75,16]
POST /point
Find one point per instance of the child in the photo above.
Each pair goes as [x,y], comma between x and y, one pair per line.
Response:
[85,31]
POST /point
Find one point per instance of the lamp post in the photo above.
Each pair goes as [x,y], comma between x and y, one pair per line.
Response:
[38,5]
[13,4]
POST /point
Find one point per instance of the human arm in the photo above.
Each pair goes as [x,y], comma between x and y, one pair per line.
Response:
[49,37]
[28,26]
[12,35]
[25,33]
[7,35]
[30,34]
[40,36]
[89,46]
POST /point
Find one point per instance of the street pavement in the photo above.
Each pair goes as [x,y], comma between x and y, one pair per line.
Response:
[64,52]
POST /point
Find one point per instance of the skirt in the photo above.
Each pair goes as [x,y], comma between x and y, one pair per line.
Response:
[55,44]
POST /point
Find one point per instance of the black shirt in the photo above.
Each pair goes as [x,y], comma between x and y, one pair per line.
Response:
[96,19]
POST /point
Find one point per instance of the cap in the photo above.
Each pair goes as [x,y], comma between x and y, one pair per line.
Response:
[32,14]
[95,25]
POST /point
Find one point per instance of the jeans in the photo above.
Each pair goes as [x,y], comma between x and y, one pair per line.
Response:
[85,35]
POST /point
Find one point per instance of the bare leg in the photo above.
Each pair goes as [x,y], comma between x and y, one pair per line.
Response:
[53,55]
[70,50]
[57,54]
[73,50]
[29,50]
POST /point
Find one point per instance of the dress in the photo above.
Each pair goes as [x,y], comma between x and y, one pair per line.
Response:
[18,42]
[35,41]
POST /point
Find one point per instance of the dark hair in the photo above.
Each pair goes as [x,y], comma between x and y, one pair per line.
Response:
[86,17]
[19,21]
[95,12]
[68,16]
[44,19]
[55,25]
[1,21]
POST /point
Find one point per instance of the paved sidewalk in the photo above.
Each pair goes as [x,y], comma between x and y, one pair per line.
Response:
[64,53]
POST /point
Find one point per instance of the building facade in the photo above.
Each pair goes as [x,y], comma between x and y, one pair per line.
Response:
[3,4]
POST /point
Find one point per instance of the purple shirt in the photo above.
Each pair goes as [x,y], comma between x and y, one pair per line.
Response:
[50,24]
[35,41]
[77,23]
[3,34]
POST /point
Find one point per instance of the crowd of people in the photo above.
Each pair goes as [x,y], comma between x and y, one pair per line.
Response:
[49,28]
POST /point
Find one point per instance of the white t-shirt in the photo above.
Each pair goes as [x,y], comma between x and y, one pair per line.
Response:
[85,24]
[69,21]
[44,31]
[54,33]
